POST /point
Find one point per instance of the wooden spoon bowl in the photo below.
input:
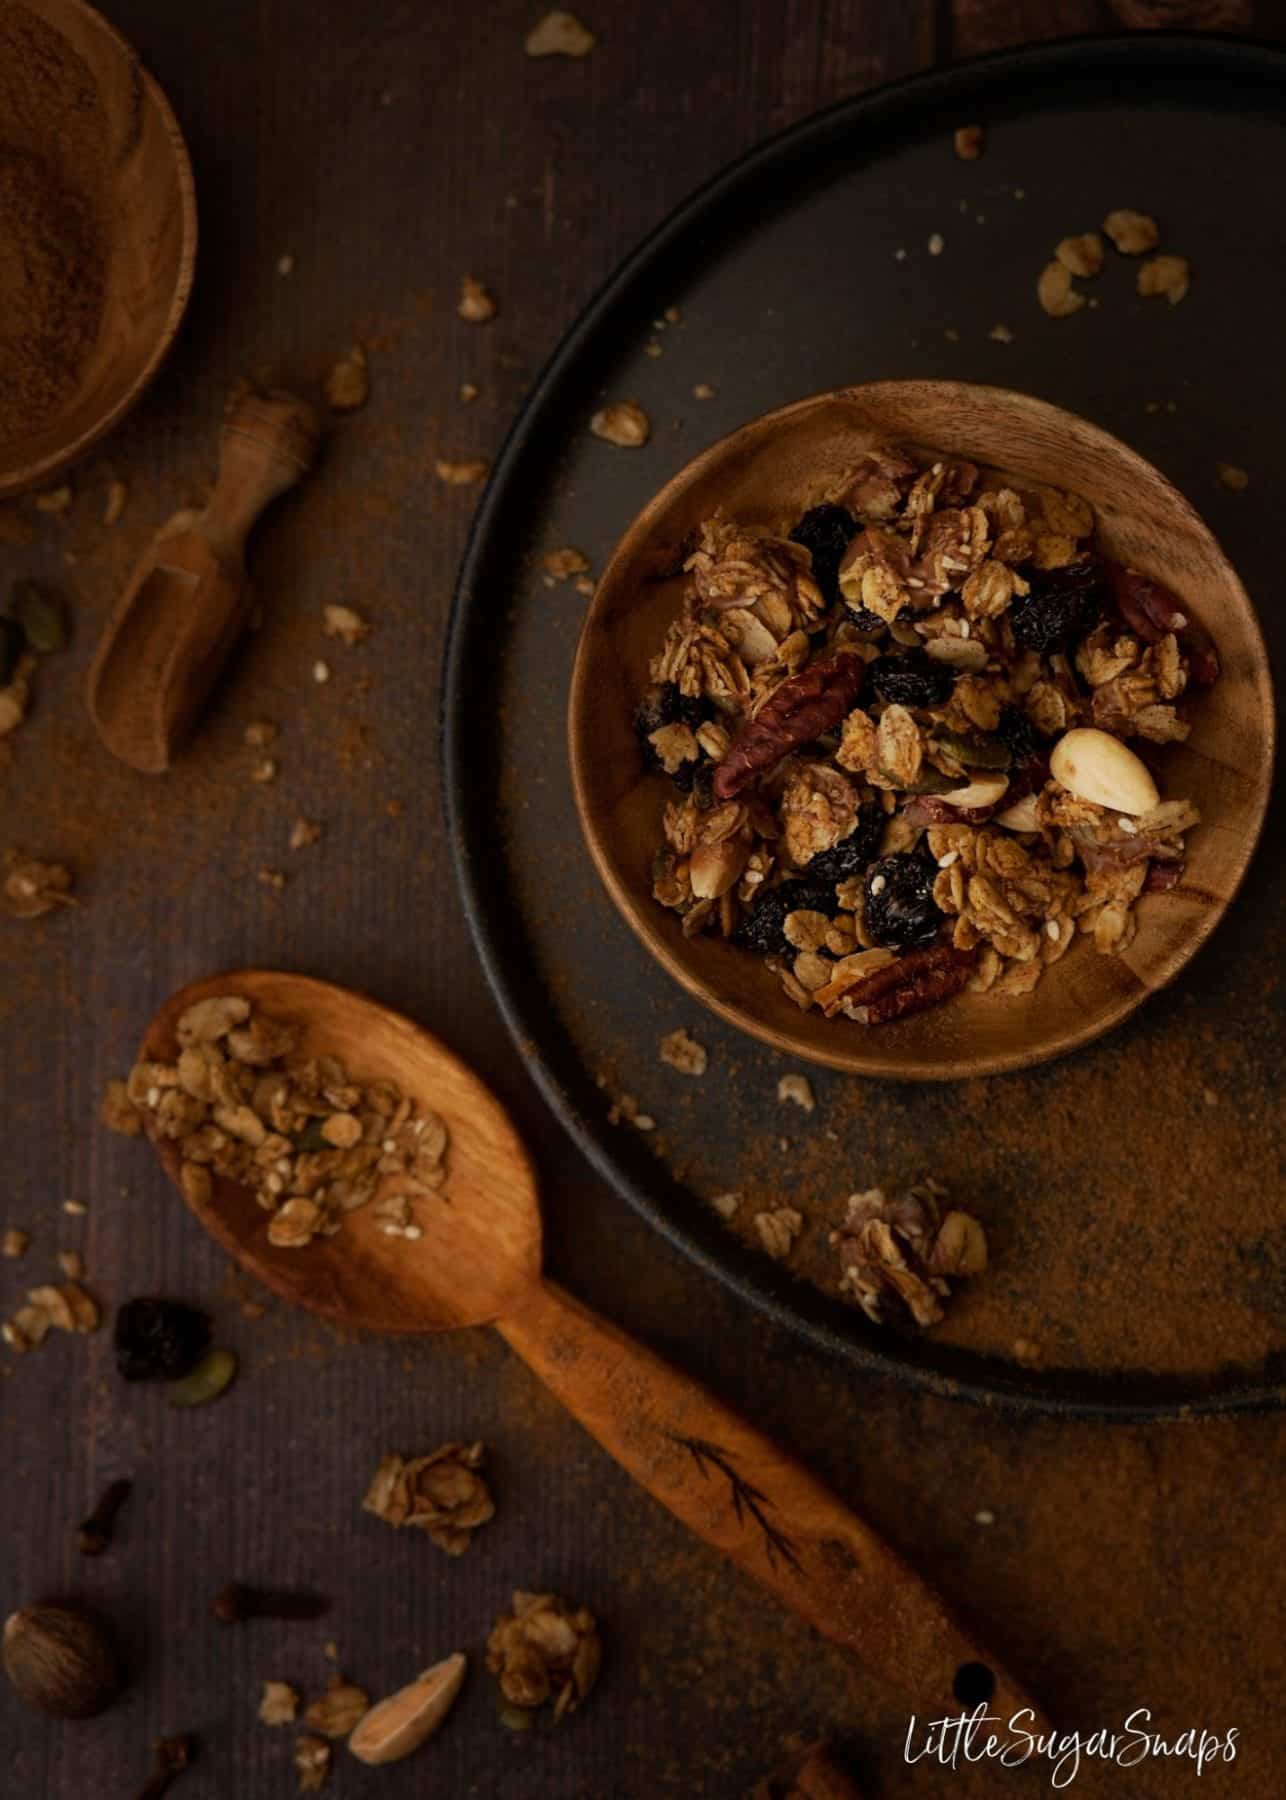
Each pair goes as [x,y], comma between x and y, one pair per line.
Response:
[769,472]
[150,252]
[478,1262]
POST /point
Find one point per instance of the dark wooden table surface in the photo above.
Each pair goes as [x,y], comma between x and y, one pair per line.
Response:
[389,149]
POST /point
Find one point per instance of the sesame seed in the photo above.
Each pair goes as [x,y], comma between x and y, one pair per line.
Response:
[1127,826]
[952,856]
[321,671]
[879,884]
[1051,930]
[937,244]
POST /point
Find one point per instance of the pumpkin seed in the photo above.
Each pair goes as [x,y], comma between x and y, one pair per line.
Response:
[975,753]
[40,615]
[207,1381]
[310,1138]
[13,641]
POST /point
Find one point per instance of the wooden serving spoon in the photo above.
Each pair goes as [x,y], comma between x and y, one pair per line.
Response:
[478,1263]
[190,598]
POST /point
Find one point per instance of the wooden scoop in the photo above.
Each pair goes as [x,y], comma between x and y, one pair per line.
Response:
[478,1263]
[190,597]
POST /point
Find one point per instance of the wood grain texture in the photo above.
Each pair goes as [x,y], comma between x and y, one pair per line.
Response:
[773,469]
[150,254]
[380,146]
[479,1263]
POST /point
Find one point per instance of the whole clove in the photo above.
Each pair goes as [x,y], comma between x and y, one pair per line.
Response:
[236,1603]
[96,1532]
[173,1755]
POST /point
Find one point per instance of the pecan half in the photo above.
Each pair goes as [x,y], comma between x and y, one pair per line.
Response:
[1151,611]
[911,984]
[802,708]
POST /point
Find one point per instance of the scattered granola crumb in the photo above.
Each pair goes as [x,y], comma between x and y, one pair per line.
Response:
[1026,1352]
[442,1494]
[348,385]
[312,1761]
[305,832]
[340,1708]
[259,734]
[476,304]
[969,142]
[32,888]
[55,500]
[77,1208]
[344,623]
[321,672]
[459,474]
[797,1089]
[653,349]
[563,564]
[682,1052]
[703,391]
[937,244]
[114,505]
[280,1703]
[1081,255]
[778,1230]
[584,585]
[897,1254]
[624,424]
[1132,232]
[899,255]
[272,878]
[1055,292]
[468,391]
[726,1205]
[1210,1097]
[951,334]
[72,1264]
[984,1516]
[559,34]
[286,264]
[1168,275]
[14,1243]
[625,1110]
[1230,476]
[544,1650]
[1001,334]
[264,771]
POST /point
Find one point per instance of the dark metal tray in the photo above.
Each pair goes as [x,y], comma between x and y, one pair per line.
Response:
[1133,1193]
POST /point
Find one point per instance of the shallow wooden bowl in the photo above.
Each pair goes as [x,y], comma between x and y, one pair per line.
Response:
[768,472]
[150,251]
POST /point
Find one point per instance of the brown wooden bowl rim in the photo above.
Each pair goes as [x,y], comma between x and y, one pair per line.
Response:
[22,479]
[863,1061]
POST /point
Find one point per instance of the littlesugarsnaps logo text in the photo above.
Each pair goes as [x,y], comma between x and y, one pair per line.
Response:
[980,1736]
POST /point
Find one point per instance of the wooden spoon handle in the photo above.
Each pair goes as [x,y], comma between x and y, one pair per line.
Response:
[734,1488]
[268,441]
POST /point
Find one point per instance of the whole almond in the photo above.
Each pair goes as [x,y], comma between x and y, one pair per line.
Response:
[1095,766]
[407,1719]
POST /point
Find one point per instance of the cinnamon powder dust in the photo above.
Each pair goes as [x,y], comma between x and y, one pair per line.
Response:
[53,204]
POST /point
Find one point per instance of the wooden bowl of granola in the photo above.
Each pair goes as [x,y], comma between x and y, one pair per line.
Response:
[764,477]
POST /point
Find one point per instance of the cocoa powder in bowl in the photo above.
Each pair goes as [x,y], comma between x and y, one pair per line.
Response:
[53,214]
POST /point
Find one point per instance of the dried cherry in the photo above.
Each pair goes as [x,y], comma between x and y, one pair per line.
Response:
[900,908]
[159,1340]
[852,854]
[1062,604]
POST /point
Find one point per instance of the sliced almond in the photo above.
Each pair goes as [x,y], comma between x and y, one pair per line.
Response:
[1021,816]
[983,792]
[1098,767]
[407,1719]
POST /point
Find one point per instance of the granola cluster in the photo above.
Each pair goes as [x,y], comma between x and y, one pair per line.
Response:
[900,1255]
[312,1143]
[914,737]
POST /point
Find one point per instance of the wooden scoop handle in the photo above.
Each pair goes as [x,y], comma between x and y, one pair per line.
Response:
[734,1488]
[189,599]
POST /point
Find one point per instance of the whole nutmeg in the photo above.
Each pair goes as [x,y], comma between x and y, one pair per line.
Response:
[61,1660]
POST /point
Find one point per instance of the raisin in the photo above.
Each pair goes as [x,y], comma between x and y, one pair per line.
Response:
[912,678]
[1017,733]
[851,855]
[761,929]
[1063,604]
[159,1340]
[661,705]
[826,532]
[900,908]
